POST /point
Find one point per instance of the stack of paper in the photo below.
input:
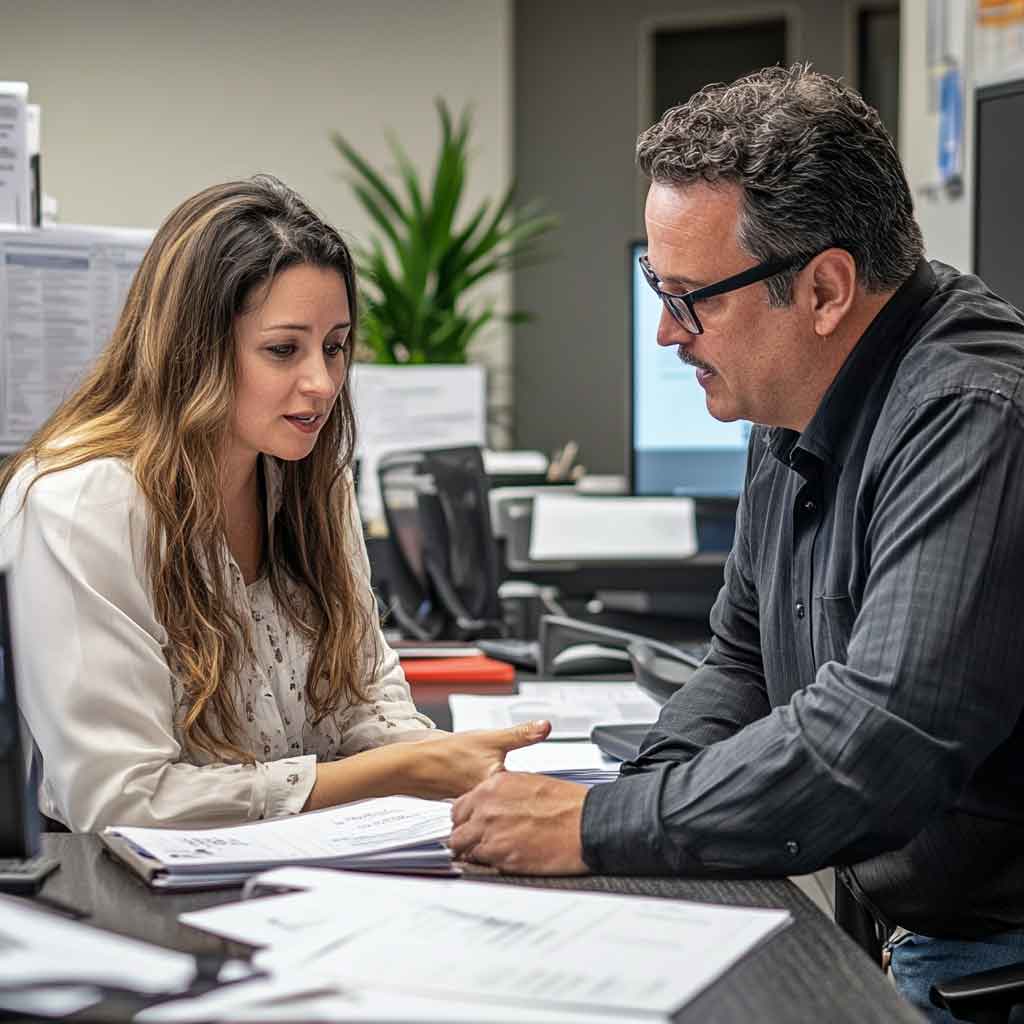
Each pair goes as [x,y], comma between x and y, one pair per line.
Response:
[572,708]
[394,833]
[51,966]
[578,762]
[454,950]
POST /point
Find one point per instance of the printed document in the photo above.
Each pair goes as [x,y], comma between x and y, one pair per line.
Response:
[406,407]
[573,951]
[335,836]
[61,293]
[15,184]
[572,708]
[52,966]
[577,761]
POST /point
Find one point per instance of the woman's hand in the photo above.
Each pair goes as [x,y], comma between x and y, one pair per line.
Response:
[453,765]
[447,766]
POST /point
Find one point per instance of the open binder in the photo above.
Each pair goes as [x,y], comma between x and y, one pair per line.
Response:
[401,834]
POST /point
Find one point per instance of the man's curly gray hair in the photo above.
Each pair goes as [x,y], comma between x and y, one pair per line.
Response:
[815,165]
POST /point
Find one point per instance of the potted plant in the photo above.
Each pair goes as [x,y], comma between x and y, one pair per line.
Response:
[418,273]
[418,310]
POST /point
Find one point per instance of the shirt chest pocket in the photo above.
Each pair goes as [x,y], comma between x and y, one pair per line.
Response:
[833,624]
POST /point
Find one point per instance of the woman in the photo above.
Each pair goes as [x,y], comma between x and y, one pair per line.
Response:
[197,638]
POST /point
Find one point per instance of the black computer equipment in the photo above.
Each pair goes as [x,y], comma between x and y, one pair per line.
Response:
[410,597]
[661,670]
[998,203]
[21,866]
[446,571]
[676,447]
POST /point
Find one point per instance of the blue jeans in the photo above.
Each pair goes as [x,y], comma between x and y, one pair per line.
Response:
[919,961]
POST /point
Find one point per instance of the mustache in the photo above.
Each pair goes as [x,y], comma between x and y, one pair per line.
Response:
[689,360]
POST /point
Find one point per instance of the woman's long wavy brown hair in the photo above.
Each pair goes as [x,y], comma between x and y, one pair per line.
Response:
[161,397]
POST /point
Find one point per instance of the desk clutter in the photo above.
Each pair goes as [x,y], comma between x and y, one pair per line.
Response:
[342,945]
[574,709]
[431,950]
[394,833]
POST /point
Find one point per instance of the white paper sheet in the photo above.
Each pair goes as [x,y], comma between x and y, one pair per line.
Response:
[561,758]
[399,408]
[573,528]
[39,947]
[303,996]
[572,708]
[573,951]
[351,830]
[61,293]
[15,190]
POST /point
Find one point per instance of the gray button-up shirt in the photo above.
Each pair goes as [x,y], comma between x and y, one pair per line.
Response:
[863,695]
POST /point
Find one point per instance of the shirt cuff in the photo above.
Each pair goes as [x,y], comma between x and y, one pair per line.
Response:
[622,832]
[288,783]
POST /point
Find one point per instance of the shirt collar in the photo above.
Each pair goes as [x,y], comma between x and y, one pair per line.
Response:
[828,436]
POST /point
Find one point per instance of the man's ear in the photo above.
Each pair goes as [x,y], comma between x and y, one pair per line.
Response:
[831,280]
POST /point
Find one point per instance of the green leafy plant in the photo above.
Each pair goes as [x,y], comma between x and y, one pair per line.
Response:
[416,275]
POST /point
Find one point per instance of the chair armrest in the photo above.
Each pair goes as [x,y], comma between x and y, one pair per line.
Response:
[983,997]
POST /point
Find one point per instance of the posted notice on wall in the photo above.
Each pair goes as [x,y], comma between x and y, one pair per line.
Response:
[15,189]
[61,293]
[413,407]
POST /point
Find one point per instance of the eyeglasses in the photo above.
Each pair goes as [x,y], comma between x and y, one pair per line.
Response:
[681,306]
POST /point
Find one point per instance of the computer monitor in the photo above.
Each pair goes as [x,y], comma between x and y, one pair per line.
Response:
[676,446]
[19,814]
[998,203]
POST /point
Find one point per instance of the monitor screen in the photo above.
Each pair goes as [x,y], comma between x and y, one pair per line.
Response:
[998,202]
[676,446]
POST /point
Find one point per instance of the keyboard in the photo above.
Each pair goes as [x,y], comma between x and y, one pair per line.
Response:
[26,874]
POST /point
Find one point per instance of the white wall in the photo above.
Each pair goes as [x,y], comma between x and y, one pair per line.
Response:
[147,101]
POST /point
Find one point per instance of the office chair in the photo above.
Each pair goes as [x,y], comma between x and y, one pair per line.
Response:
[446,564]
[987,997]
[461,557]
[411,599]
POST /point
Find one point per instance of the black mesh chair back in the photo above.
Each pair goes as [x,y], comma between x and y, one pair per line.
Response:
[411,597]
[466,552]
[438,516]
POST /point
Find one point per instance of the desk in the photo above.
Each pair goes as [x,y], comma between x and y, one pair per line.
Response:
[809,973]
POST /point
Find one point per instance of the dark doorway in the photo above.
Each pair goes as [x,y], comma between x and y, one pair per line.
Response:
[878,62]
[685,59]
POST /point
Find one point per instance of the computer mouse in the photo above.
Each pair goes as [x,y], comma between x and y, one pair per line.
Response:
[589,659]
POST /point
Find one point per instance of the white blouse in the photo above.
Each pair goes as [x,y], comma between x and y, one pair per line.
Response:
[95,690]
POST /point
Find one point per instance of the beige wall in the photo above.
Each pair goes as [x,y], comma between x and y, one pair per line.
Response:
[147,101]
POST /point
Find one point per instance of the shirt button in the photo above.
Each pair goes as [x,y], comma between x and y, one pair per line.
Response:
[792,847]
[800,610]
[810,506]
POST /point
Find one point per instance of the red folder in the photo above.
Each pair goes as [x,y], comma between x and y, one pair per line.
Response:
[479,669]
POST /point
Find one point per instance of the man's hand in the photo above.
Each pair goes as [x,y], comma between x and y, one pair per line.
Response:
[522,824]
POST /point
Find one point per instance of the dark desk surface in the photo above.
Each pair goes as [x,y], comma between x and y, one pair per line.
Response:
[811,972]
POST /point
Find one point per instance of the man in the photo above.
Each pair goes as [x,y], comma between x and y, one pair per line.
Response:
[861,703]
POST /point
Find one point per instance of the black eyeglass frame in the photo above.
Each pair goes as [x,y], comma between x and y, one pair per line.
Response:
[730,284]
